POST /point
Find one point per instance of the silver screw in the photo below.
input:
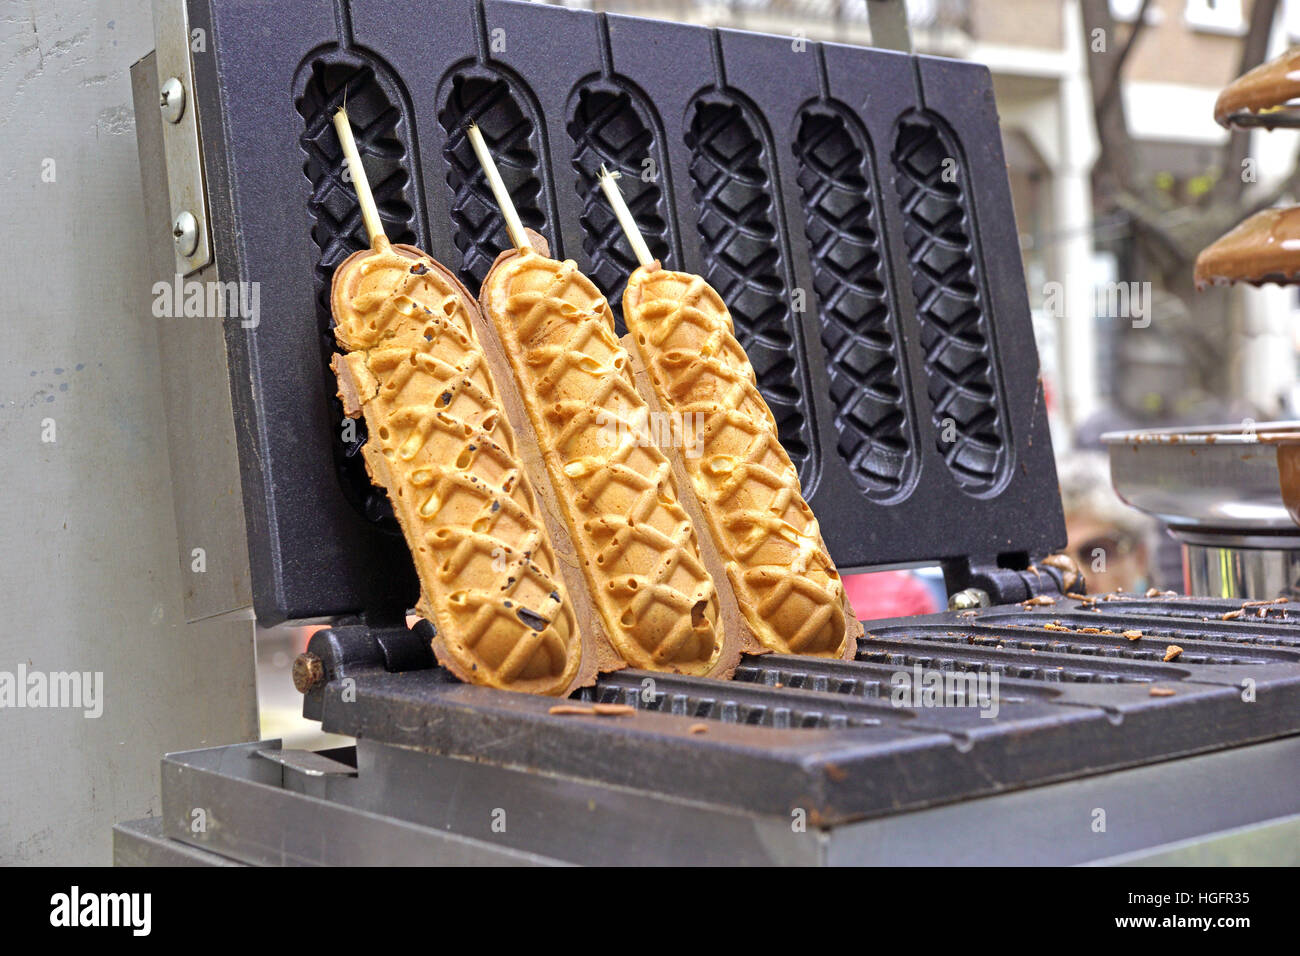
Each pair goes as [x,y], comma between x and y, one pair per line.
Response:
[171,100]
[185,233]
[967,599]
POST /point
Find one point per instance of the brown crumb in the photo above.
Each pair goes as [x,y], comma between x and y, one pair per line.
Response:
[614,710]
[778,684]
[568,710]
[1232,615]
[1089,630]
[1172,652]
[835,772]
[1056,626]
[1075,596]
[1133,635]
[698,729]
[1038,601]
[1156,592]
[1162,692]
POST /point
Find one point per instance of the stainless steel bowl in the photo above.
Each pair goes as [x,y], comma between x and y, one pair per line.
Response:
[1230,494]
[1216,479]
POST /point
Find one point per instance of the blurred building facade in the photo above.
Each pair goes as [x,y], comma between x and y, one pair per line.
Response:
[1036,50]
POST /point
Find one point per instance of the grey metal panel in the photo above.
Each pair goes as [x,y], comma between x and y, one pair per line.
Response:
[1273,843]
[1059,825]
[230,800]
[92,580]
[406,806]
[196,396]
[143,843]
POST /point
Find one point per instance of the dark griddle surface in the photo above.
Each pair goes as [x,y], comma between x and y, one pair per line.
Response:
[825,736]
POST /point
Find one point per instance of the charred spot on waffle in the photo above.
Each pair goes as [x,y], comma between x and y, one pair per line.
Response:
[419,269]
[532,619]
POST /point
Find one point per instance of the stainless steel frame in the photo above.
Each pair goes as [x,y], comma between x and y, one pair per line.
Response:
[258,805]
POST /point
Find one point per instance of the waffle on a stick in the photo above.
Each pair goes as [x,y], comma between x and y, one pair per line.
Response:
[785,582]
[441,447]
[636,543]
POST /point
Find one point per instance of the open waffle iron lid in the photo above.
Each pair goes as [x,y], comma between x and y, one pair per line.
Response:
[851,205]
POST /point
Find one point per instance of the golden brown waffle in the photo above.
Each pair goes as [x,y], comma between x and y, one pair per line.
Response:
[637,545]
[784,579]
[440,445]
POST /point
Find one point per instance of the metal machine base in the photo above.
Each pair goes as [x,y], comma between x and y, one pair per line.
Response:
[258,804]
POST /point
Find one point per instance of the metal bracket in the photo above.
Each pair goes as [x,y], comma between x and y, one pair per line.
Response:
[308,763]
[1008,585]
[189,225]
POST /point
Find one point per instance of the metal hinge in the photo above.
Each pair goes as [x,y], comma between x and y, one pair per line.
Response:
[980,584]
[189,224]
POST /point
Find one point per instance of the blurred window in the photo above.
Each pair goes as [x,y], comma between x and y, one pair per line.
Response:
[1217,16]
[1127,11]
[1291,18]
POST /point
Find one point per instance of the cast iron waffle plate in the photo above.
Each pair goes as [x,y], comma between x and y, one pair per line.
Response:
[1075,696]
[851,205]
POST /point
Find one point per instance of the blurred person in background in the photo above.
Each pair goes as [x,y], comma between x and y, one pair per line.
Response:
[1111,542]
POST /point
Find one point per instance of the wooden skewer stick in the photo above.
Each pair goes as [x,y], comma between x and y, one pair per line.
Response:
[369,211]
[624,216]
[514,225]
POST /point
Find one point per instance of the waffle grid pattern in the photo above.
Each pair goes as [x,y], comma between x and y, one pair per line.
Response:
[857,327]
[489,578]
[381,130]
[742,254]
[949,304]
[609,128]
[560,340]
[478,229]
[744,477]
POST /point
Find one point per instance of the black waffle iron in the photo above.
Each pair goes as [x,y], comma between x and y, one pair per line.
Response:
[852,207]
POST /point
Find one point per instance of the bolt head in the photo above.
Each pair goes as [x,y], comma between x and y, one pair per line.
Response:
[308,672]
[185,233]
[967,599]
[171,100]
